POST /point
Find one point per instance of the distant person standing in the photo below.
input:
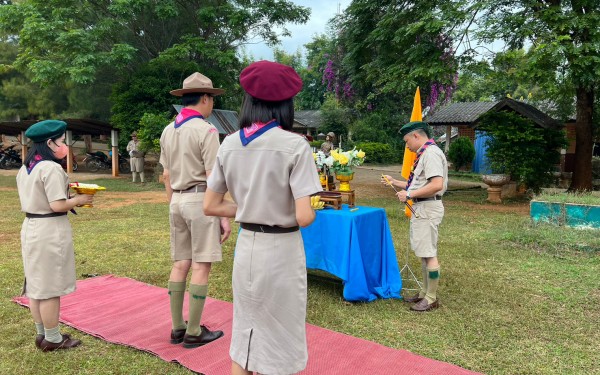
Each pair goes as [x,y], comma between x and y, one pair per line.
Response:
[328,144]
[188,149]
[270,173]
[46,235]
[427,183]
[136,158]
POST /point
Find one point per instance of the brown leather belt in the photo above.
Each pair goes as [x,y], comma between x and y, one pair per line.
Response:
[417,200]
[268,228]
[39,216]
[200,188]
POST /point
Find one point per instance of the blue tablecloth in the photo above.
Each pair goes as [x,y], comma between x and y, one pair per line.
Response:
[357,247]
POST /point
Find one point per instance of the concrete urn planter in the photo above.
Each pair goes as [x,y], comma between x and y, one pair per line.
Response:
[495,183]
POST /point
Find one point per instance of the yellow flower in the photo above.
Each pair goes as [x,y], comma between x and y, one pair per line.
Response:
[343,160]
[315,155]
[360,154]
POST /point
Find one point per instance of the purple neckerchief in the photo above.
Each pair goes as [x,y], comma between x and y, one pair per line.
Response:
[185,115]
[414,166]
[257,129]
[36,159]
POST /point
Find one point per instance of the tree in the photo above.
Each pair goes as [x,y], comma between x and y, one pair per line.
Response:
[71,40]
[565,40]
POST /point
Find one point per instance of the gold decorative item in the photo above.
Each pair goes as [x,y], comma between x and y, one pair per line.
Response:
[90,189]
[344,180]
[316,203]
[323,180]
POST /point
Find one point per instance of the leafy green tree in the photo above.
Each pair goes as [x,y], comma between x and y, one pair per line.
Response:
[71,40]
[517,147]
[461,152]
[565,40]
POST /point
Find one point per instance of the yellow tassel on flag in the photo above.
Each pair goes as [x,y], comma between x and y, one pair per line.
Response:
[409,156]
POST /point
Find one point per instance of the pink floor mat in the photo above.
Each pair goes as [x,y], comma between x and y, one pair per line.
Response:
[114,308]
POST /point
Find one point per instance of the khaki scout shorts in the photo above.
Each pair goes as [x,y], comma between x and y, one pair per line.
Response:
[193,235]
[424,229]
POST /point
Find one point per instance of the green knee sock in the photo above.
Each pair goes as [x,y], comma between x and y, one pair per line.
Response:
[433,280]
[197,295]
[176,294]
[423,290]
[39,328]
[53,335]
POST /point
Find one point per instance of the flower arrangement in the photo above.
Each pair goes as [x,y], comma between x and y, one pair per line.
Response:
[340,162]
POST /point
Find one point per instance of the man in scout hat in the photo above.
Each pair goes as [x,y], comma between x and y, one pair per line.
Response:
[136,158]
[328,145]
[427,182]
[188,151]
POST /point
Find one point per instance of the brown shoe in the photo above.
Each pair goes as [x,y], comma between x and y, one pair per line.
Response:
[177,336]
[205,336]
[66,343]
[413,299]
[423,305]
[38,341]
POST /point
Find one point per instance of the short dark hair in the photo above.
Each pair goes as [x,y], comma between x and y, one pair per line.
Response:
[424,132]
[193,98]
[256,110]
[42,149]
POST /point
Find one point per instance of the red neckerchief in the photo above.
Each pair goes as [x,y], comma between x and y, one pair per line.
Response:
[185,114]
[248,134]
[36,159]
[414,166]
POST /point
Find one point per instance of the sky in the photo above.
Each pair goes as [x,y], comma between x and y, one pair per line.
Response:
[321,12]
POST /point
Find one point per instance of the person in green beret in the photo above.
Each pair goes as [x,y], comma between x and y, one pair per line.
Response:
[46,238]
[426,184]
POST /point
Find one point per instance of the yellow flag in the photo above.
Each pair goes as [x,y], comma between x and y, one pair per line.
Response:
[409,156]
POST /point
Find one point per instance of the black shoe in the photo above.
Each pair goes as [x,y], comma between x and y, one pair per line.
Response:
[177,336]
[206,336]
[413,299]
[38,341]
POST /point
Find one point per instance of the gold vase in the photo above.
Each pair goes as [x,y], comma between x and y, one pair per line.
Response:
[344,180]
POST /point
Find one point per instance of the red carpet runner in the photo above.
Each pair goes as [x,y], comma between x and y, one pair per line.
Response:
[97,301]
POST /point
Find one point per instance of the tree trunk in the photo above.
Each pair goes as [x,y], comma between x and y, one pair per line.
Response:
[582,175]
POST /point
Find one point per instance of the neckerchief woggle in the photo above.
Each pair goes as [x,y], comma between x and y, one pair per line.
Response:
[186,115]
[414,166]
[254,131]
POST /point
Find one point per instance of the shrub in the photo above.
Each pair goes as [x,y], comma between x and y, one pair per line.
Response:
[520,148]
[377,152]
[461,152]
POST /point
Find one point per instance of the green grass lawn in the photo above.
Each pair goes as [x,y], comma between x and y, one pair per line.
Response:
[516,298]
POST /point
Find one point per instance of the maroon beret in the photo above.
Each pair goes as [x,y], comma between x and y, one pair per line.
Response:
[270,81]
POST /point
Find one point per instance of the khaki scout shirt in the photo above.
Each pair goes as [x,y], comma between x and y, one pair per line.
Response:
[266,176]
[432,163]
[188,151]
[46,183]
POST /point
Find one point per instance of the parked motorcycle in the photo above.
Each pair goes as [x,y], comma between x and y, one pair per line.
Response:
[10,158]
[99,160]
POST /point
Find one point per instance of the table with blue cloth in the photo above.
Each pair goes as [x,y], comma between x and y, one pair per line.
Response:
[356,246]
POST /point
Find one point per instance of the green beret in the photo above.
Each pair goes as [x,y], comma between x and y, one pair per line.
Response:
[414,125]
[46,129]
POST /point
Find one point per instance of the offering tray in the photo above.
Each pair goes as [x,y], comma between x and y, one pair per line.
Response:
[89,189]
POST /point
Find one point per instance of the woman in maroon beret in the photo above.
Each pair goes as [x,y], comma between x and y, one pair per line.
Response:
[270,173]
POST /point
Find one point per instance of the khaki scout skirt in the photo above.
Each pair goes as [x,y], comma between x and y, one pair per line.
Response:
[48,257]
[269,303]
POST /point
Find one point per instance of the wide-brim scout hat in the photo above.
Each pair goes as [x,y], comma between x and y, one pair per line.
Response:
[270,81]
[414,125]
[331,134]
[44,130]
[134,134]
[197,83]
